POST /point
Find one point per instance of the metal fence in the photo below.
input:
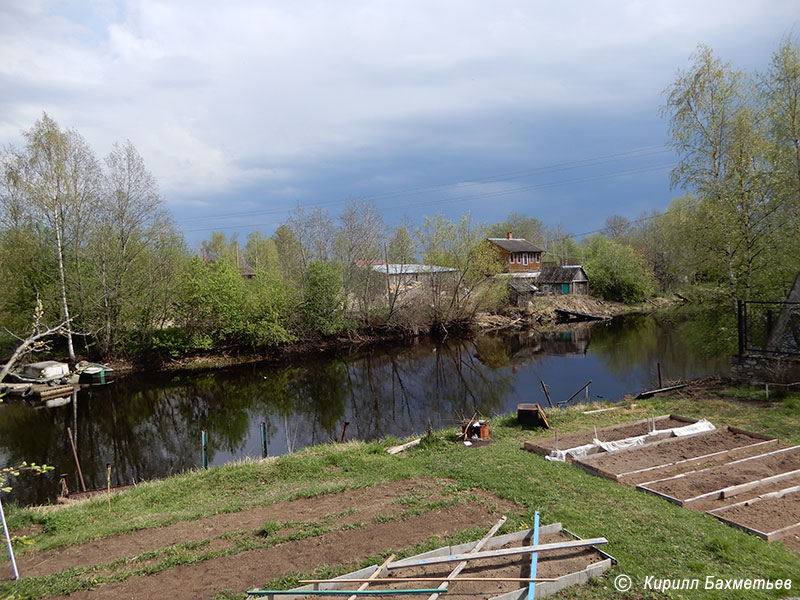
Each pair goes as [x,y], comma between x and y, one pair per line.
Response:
[769,327]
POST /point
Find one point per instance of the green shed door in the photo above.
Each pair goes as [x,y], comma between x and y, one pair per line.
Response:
[565,288]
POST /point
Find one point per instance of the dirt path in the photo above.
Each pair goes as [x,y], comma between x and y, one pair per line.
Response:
[255,568]
[368,503]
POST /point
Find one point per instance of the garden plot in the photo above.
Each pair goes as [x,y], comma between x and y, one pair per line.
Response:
[565,568]
[680,452]
[545,446]
[771,516]
[728,480]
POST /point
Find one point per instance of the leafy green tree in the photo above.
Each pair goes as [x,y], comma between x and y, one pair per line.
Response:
[456,296]
[718,131]
[402,247]
[521,226]
[616,271]
[261,253]
[323,307]
[290,254]
[57,176]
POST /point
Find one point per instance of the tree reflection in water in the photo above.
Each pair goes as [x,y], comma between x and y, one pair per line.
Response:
[149,426]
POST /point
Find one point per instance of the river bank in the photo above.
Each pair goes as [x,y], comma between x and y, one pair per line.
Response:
[329,509]
[540,315]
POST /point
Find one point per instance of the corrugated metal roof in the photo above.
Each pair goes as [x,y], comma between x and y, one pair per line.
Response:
[515,245]
[399,269]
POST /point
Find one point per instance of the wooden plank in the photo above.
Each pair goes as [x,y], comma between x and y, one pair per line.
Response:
[600,410]
[401,447]
[735,490]
[760,436]
[418,579]
[749,530]
[644,488]
[603,553]
[767,496]
[779,533]
[741,460]
[496,553]
[379,571]
[339,592]
[651,393]
[476,548]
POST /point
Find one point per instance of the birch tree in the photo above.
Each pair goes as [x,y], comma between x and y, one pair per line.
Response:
[58,176]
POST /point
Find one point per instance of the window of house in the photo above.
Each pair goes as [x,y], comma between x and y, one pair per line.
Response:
[511,257]
[525,258]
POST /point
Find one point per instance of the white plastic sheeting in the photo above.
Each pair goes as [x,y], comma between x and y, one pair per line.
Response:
[639,440]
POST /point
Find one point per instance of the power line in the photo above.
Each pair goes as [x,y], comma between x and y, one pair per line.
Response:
[497,178]
[492,194]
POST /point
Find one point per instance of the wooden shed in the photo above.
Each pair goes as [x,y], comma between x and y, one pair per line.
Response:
[570,279]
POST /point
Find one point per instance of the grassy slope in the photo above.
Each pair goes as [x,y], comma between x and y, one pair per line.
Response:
[648,536]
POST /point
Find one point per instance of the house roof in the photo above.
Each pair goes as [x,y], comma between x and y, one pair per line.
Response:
[400,269]
[521,285]
[561,274]
[515,245]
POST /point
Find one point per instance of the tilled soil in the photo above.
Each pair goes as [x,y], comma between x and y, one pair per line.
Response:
[551,564]
[704,463]
[253,569]
[766,515]
[379,499]
[670,451]
[727,475]
[356,524]
[606,434]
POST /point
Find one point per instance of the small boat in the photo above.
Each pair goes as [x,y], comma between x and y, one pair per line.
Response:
[94,373]
[45,372]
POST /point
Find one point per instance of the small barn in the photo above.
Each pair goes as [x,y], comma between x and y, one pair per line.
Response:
[521,290]
[570,279]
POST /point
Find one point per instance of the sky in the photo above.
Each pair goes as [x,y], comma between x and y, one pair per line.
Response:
[245,109]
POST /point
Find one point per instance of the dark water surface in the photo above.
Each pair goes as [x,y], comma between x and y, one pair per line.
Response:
[149,426]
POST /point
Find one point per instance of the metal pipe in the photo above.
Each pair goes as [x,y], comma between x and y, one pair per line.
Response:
[263,439]
[204,443]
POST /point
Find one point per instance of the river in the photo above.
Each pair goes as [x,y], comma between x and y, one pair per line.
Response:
[149,425]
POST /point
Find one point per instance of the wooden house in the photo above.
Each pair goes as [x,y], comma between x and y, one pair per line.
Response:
[570,279]
[519,255]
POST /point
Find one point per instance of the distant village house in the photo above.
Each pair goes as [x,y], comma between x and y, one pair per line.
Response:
[570,279]
[517,254]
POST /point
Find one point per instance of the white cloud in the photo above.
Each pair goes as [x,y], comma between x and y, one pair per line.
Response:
[222,95]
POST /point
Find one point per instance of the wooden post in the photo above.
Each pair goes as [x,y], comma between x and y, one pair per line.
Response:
[204,444]
[546,393]
[263,439]
[660,385]
[344,426]
[108,485]
[75,456]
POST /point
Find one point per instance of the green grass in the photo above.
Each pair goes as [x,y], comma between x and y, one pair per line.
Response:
[648,536]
